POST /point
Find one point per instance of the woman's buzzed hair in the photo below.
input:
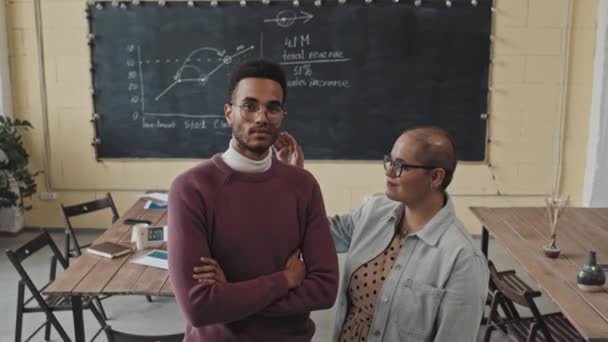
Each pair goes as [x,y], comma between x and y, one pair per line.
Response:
[436,147]
[259,68]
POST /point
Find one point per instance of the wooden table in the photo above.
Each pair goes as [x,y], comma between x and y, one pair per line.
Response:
[523,232]
[92,275]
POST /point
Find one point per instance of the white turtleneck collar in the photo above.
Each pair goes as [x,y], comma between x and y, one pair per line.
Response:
[238,162]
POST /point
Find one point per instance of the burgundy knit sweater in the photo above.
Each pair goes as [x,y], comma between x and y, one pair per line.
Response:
[250,223]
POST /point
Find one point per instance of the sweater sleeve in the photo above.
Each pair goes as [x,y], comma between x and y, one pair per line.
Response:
[204,304]
[319,289]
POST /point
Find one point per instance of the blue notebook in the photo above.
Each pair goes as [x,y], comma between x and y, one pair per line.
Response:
[155,258]
[155,206]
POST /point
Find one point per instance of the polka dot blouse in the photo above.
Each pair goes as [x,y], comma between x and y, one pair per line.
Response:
[365,284]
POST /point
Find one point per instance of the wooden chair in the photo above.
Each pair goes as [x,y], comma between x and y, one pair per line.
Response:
[117,336]
[38,302]
[553,327]
[508,308]
[81,209]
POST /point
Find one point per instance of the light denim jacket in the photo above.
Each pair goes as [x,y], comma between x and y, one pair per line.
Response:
[437,288]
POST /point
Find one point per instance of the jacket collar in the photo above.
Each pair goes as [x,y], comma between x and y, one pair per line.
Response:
[434,229]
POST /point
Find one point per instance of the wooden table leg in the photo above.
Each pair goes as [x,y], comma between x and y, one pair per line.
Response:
[78,318]
[485,236]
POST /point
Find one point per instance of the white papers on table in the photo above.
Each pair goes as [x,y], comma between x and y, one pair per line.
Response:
[162,197]
[155,258]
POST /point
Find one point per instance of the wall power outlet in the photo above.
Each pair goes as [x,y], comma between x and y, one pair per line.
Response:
[47,196]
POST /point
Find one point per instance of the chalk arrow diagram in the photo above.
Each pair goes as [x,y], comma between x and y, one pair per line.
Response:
[287,18]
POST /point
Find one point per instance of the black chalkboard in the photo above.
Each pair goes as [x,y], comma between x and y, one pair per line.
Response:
[359,73]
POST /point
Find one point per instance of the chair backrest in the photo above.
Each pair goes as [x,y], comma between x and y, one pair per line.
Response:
[514,292]
[81,209]
[91,206]
[117,336]
[18,256]
[520,294]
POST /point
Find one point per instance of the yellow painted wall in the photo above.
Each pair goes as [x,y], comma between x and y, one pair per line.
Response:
[525,80]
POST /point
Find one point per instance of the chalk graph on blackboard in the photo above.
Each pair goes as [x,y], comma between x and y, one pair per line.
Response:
[197,69]
[192,71]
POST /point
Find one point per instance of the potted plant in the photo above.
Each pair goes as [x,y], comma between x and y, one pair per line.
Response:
[555,208]
[16,181]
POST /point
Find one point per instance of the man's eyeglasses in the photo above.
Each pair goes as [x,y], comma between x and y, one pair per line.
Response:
[274,111]
[397,167]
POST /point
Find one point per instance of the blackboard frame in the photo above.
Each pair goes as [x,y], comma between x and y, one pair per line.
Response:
[99,117]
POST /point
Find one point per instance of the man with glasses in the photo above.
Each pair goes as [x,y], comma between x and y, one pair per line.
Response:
[259,219]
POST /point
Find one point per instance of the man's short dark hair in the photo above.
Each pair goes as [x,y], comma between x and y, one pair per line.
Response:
[436,148]
[259,68]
